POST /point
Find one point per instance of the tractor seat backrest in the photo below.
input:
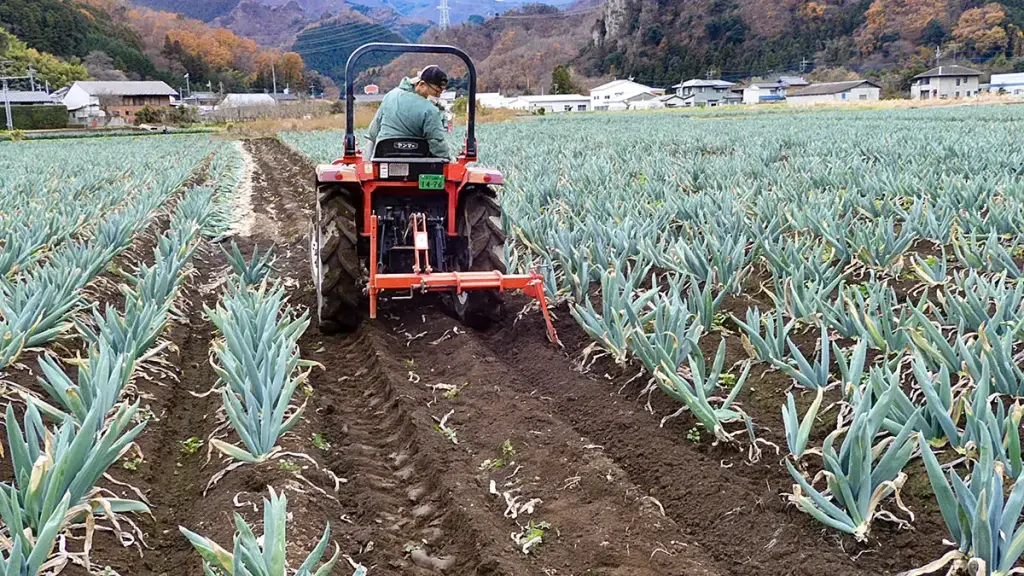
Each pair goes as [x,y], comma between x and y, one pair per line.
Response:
[401,148]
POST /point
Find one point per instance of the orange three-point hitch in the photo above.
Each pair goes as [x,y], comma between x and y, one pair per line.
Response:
[531,284]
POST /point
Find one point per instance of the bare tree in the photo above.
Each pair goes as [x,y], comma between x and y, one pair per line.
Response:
[101,67]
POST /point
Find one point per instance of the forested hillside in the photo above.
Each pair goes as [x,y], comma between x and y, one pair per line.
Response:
[327,46]
[662,41]
[70,30]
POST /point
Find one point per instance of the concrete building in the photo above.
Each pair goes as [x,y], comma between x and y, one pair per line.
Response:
[614,95]
[1012,84]
[835,93]
[946,82]
[699,92]
[114,102]
[764,92]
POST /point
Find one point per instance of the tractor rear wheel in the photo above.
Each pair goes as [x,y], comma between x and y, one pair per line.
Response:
[479,225]
[334,260]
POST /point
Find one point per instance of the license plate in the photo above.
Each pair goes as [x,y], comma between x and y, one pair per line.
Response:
[394,170]
[431,182]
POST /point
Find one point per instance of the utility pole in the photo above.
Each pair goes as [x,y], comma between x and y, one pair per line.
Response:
[188,85]
[444,22]
[803,65]
[273,72]
[7,107]
[4,78]
[32,77]
[938,54]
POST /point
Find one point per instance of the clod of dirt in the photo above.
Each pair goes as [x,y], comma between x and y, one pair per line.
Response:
[424,560]
[423,511]
[417,492]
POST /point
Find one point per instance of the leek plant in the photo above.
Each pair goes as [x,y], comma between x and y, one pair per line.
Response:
[878,316]
[861,474]
[612,327]
[264,555]
[798,430]
[666,334]
[932,272]
[258,363]
[988,254]
[55,473]
[879,245]
[696,395]
[250,272]
[976,301]
[803,372]
[771,344]
[982,521]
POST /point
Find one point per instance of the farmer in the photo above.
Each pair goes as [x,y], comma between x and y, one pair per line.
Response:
[411,111]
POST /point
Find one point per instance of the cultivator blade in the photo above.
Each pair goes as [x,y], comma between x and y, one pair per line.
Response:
[424,280]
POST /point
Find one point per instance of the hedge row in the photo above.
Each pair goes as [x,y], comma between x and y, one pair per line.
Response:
[39,117]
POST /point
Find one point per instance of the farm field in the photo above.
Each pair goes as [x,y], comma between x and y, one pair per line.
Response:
[866,264]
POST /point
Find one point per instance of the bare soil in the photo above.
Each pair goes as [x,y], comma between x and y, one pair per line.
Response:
[619,494]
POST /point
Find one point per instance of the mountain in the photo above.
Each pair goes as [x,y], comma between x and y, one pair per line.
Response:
[461,10]
[275,26]
[663,41]
[514,52]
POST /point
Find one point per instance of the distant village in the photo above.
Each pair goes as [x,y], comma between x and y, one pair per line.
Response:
[120,103]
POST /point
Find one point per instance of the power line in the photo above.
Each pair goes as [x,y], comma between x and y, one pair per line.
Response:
[371,38]
[339,38]
[331,36]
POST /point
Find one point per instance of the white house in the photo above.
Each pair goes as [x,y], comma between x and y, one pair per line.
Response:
[614,95]
[558,103]
[644,101]
[447,98]
[1012,84]
[836,92]
[671,100]
[953,81]
[764,92]
[121,99]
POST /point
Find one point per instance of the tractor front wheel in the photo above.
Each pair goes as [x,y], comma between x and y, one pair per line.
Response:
[334,260]
[479,226]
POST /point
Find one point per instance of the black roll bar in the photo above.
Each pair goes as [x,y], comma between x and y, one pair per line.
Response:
[350,97]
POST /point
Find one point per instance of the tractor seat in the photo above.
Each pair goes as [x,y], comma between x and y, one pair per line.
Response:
[412,150]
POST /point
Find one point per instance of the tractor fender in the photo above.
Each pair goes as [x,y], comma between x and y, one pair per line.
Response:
[481,175]
[329,173]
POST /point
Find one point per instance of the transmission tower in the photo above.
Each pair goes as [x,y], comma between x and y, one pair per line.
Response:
[445,13]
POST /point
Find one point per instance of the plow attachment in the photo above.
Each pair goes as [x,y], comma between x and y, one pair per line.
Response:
[421,278]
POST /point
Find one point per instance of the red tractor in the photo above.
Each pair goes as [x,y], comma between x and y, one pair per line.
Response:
[404,222]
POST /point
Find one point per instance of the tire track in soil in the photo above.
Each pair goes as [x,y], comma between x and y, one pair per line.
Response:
[407,484]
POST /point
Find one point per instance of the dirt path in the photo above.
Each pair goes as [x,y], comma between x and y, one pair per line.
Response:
[424,501]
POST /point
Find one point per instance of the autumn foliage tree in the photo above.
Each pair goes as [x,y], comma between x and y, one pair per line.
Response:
[979,29]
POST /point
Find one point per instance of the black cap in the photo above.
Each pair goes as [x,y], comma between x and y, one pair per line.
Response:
[434,76]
